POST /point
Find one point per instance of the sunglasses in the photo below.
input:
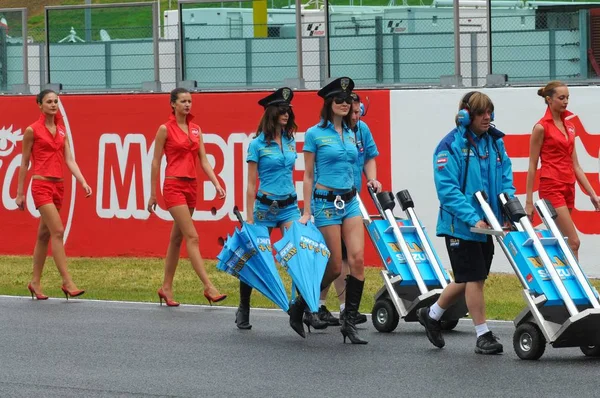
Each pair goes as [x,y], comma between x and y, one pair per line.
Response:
[341,99]
[282,110]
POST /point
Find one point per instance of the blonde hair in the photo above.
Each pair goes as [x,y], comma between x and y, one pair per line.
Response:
[476,103]
[550,89]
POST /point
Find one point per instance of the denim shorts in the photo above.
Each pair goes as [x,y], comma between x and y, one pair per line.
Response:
[325,212]
[270,216]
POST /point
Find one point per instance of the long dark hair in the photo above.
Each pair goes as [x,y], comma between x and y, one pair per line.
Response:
[40,97]
[175,94]
[268,123]
[327,114]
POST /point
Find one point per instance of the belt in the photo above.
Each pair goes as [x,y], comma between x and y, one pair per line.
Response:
[331,197]
[276,203]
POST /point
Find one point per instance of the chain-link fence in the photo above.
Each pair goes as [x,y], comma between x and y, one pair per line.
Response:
[226,46]
[540,44]
[12,43]
[246,45]
[101,48]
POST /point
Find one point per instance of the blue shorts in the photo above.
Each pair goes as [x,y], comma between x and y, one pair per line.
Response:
[275,216]
[325,212]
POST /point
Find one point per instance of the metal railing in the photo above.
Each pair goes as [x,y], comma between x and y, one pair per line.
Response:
[81,49]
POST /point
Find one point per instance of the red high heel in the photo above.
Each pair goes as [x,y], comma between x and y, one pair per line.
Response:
[214,299]
[162,296]
[72,293]
[37,295]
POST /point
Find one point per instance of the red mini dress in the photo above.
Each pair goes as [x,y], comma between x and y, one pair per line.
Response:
[48,160]
[557,178]
[181,150]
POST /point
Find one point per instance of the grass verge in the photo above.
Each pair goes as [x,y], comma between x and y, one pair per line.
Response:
[137,279]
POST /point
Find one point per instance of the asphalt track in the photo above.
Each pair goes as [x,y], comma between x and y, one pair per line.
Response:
[86,348]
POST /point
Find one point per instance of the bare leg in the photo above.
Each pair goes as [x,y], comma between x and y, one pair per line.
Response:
[182,216]
[567,228]
[39,255]
[450,294]
[331,233]
[339,283]
[172,260]
[475,301]
[353,233]
[52,220]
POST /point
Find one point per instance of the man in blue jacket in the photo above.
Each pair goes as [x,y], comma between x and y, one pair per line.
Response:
[470,158]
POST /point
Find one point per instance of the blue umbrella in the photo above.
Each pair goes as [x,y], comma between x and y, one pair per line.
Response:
[247,255]
[303,254]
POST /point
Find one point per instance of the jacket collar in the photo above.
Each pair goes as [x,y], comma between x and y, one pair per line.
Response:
[548,115]
[188,118]
[58,118]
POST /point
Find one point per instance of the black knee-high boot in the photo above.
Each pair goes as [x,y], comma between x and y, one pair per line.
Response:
[242,315]
[354,289]
[296,312]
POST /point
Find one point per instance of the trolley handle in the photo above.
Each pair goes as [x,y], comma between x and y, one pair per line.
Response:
[237,213]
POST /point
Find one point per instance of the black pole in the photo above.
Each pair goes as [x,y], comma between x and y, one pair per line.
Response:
[327,39]
[489,35]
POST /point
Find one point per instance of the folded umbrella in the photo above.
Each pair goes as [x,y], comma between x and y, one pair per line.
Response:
[303,254]
[247,255]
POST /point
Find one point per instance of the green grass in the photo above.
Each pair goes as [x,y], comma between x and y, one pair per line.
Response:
[137,279]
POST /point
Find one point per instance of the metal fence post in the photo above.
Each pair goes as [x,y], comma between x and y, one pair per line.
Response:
[583,40]
[299,43]
[155,36]
[3,60]
[456,39]
[552,53]
[25,89]
[474,59]
[379,49]
[46,49]
[489,35]
[248,62]
[327,49]
[396,57]
[107,64]
[322,61]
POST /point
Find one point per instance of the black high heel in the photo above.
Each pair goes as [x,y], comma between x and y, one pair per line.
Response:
[354,289]
[312,319]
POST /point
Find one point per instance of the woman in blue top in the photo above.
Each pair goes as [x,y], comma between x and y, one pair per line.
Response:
[271,158]
[367,152]
[330,152]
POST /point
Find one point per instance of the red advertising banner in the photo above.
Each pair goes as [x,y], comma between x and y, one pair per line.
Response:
[112,139]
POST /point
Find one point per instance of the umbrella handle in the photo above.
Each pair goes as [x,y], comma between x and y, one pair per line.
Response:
[238,215]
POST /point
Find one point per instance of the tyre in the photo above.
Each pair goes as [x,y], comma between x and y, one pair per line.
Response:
[590,350]
[384,316]
[449,325]
[529,342]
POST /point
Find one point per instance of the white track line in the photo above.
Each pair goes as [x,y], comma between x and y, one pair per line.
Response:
[144,303]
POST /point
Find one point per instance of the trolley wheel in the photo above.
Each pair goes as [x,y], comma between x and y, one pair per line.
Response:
[449,325]
[590,350]
[529,342]
[384,316]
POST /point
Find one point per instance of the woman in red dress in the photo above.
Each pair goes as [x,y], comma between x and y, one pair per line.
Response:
[181,141]
[553,141]
[45,143]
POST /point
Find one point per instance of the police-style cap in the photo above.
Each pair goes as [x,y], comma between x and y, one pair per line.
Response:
[340,86]
[282,96]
